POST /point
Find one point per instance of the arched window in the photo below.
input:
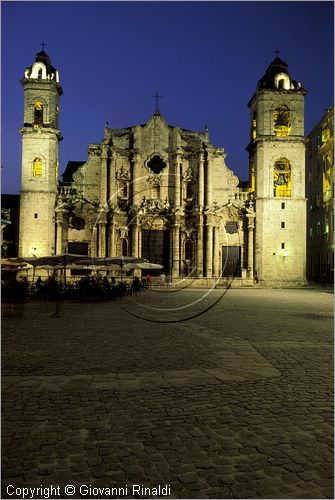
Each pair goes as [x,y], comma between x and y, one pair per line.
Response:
[282,121]
[282,179]
[282,81]
[37,167]
[122,247]
[38,114]
[40,74]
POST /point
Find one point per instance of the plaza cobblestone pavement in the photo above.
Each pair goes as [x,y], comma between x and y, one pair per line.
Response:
[236,402]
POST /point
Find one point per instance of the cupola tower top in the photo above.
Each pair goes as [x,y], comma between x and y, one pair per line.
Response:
[42,69]
[277,77]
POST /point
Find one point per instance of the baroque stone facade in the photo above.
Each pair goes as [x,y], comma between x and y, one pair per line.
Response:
[165,193]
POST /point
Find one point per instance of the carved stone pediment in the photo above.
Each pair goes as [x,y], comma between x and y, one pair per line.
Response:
[154,223]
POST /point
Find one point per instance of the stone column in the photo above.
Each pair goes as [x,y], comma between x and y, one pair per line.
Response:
[176,250]
[112,246]
[102,239]
[209,249]
[94,241]
[112,182]
[209,182]
[103,178]
[136,183]
[216,260]
[200,250]
[250,247]
[59,237]
[135,231]
[201,181]
[140,241]
[177,179]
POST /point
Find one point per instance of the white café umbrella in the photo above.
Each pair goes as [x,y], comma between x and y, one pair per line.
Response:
[142,265]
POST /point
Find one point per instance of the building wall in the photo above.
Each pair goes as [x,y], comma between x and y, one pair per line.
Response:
[190,193]
[40,150]
[280,251]
[320,193]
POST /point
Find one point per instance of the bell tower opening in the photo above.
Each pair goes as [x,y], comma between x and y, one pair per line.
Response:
[282,179]
[38,114]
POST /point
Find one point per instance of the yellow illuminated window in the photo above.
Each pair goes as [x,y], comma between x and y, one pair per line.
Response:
[57,170]
[327,185]
[325,134]
[252,179]
[38,114]
[282,121]
[254,125]
[37,167]
[282,179]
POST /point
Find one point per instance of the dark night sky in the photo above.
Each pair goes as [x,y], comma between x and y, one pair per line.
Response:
[204,58]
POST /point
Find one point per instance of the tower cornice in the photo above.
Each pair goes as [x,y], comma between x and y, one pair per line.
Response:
[259,141]
[41,131]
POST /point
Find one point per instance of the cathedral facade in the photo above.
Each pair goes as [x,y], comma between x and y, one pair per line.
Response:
[165,193]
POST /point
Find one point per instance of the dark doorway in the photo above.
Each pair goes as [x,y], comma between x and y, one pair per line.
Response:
[231,261]
[77,247]
[156,247]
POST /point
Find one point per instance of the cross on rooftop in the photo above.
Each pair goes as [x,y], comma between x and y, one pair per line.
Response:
[43,44]
[157,97]
[277,52]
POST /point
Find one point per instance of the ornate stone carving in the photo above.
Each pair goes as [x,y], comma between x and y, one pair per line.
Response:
[122,174]
[233,181]
[188,175]
[155,179]
[155,223]
[231,227]
[78,177]
[154,206]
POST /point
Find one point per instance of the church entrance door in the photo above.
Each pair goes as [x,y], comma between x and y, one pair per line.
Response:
[156,247]
[231,261]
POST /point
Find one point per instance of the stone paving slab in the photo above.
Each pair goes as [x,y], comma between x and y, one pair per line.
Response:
[238,361]
[226,405]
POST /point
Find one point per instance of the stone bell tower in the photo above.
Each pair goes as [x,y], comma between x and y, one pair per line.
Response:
[40,146]
[277,173]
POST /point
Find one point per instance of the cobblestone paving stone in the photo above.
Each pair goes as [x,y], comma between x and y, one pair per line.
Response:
[234,403]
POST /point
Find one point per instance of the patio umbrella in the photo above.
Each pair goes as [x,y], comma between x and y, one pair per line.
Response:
[12,264]
[143,265]
[121,261]
[61,261]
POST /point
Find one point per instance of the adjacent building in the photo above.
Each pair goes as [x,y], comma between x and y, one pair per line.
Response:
[320,193]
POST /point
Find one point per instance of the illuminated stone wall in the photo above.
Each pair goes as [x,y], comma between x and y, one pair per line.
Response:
[175,183]
[164,178]
[320,193]
[40,149]
[277,158]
